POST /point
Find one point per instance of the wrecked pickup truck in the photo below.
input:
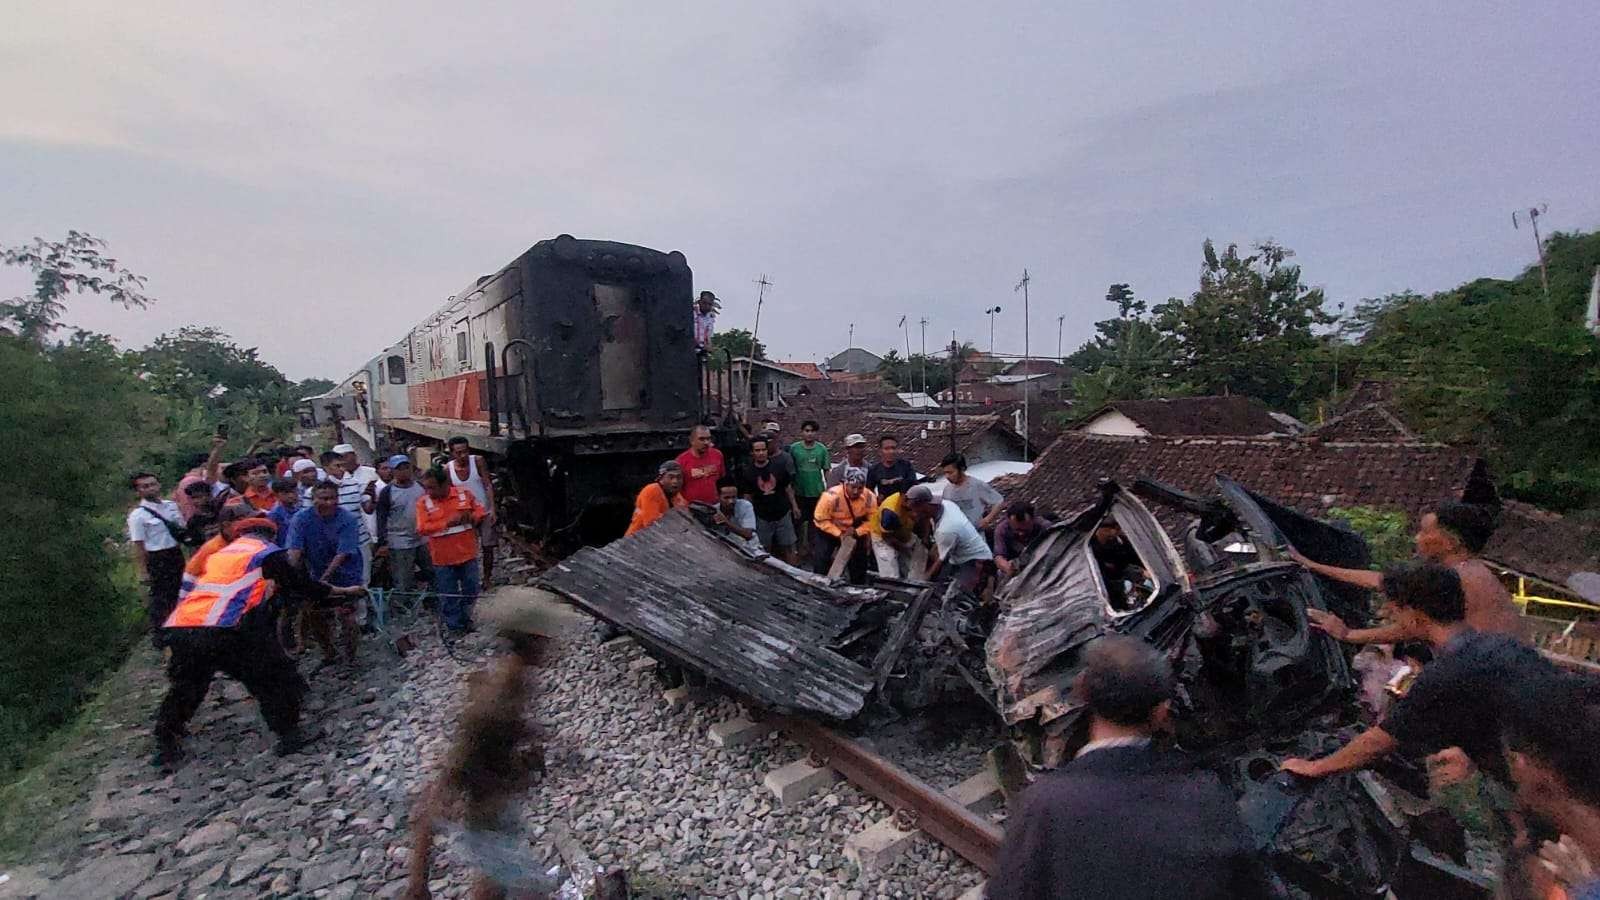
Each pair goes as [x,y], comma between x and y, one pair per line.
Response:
[1257,684]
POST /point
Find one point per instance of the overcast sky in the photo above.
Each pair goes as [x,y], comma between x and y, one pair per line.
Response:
[314,179]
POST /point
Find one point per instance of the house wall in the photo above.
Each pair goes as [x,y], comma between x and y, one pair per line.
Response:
[1113,423]
[990,447]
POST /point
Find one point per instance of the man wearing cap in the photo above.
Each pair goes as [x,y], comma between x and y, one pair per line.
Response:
[223,622]
[855,457]
[658,496]
[775,450]
[397,525]
[306,474]
[960,554]
[844,527]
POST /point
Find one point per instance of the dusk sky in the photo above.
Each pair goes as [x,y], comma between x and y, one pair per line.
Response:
[313,179]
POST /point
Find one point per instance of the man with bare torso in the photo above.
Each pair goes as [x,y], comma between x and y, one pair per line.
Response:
[1452,535]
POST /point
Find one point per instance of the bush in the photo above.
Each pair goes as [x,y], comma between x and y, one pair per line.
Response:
[1387,531]
[70,419]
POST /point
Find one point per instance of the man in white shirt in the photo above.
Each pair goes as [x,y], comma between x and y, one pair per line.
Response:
[354,500]
[960,553]
[154,528]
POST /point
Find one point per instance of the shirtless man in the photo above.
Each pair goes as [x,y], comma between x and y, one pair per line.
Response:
[1452,535]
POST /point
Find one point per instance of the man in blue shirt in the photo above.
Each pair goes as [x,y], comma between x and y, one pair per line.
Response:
[326,540]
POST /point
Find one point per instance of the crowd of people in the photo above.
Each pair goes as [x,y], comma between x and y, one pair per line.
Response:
[847,517]
[288,542]
[1507,738]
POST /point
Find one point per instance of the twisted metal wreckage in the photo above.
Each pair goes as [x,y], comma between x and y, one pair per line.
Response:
[1257,684]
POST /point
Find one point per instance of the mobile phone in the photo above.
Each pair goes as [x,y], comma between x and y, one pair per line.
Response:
[222,429]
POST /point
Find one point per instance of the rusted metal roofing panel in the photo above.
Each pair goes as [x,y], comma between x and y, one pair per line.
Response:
[760,628]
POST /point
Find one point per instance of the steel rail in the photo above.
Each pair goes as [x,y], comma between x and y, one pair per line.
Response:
[974,837]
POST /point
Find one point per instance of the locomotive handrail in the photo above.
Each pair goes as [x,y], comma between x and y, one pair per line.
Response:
[530,363]
[494,400]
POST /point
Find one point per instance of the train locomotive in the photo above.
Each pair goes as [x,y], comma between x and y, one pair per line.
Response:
[574,367]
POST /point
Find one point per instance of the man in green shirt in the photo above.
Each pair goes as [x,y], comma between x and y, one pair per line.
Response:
[810,465]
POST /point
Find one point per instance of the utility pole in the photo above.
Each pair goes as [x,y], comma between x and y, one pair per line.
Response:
[1061,324]
[955,355]
[1534,212]
[907,329]
[750,371]
[1026,383]
[924,354]
[852,342]
[991,313]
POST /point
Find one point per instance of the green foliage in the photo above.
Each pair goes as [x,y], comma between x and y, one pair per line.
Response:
[906,373]
[1387,531]
[1493,364]
[1128,359]
[71,420]
[59,268]
[735,342]
[1249,329]
[76,418]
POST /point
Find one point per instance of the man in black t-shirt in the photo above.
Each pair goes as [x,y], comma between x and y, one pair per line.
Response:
[890,475]
[769,487]
[1459,699]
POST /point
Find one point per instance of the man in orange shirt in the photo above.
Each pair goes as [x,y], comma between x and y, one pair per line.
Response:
[844,527]
[658,496]
[447,516]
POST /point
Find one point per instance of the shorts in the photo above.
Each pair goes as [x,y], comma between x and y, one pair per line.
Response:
[776,534]
[488,535]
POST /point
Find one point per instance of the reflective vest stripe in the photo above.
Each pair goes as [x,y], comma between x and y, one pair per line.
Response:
[210,601]
[453,529]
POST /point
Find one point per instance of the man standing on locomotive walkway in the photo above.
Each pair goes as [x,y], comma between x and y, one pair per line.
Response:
[223,623]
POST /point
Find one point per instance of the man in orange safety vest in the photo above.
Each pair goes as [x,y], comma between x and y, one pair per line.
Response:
[222,623]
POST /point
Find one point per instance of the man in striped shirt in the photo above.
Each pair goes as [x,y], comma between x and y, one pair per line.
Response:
[354,500]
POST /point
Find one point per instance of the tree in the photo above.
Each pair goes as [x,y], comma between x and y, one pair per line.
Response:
[1127,359]
[1495,365]
[75,265]
[735,342]
[1250,328]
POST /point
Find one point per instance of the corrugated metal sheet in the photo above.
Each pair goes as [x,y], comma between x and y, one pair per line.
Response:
[759,628]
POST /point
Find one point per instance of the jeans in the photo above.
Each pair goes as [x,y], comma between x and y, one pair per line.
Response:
[403,565]
[458,590]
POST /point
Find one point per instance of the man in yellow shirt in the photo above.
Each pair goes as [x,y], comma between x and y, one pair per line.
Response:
[895,544]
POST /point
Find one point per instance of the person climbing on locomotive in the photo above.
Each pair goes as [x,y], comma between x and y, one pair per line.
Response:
[156,528]
[222,623]
[705,322]
[1453,534]
[844,527]
[770,491]
[891,474]
[448,515]
[855,457]
[469,470]
[658,496]
[959,551]
[703,467]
